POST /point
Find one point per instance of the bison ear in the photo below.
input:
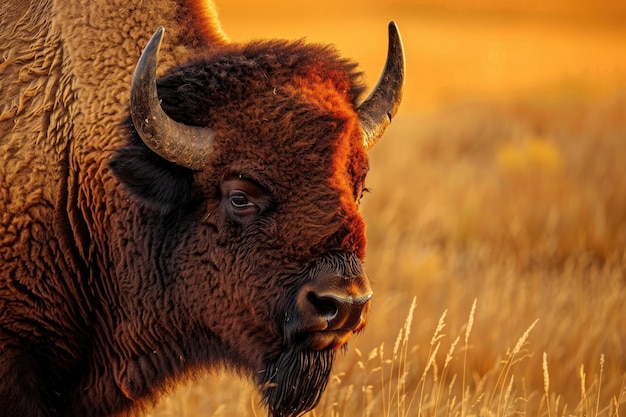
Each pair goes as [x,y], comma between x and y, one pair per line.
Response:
[154,181]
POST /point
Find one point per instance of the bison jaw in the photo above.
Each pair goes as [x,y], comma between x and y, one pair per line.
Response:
[293,384]
[331,303]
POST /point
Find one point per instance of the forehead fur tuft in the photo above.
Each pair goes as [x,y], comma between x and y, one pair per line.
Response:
[236,71]
[284,60]
[321,63]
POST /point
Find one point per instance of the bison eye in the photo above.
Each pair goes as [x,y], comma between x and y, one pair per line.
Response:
[239,200]
[244,199]
[241,206]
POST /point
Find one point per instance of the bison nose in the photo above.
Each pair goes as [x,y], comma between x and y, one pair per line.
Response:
[335,304]
[339,312]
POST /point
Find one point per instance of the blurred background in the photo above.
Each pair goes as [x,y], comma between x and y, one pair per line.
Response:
[497,217]
[458,48]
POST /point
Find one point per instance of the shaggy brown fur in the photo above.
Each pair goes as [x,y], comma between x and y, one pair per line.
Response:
[122,273]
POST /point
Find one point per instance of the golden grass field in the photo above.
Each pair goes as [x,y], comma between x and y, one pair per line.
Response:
[497,218]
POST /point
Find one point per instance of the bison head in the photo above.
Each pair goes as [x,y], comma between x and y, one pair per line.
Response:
[254,158]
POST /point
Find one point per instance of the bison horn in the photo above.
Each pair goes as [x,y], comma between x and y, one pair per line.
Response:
[376,112]
[184,145]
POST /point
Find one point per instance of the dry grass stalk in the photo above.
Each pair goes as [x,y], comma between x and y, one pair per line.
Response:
[468,330]
[546,382]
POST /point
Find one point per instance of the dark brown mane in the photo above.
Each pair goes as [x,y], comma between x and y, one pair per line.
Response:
[233,72]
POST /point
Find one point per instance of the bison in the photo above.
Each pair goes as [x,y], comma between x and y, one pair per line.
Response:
[155,227]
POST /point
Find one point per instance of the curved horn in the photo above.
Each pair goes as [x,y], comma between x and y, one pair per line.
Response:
[184,145]
[376,112]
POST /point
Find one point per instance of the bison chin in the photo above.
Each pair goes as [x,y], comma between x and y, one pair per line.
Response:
[293,383]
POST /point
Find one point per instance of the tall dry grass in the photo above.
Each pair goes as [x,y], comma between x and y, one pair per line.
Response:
[520,206]
[496,226]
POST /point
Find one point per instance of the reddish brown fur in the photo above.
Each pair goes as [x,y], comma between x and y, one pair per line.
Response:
[349,157]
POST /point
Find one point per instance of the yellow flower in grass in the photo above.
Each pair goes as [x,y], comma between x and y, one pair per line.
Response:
[534,152]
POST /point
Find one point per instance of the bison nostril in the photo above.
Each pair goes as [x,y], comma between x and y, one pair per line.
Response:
[338,312]
[326,306]
[332,303]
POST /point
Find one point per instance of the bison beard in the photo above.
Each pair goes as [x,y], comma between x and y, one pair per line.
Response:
[295,381]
